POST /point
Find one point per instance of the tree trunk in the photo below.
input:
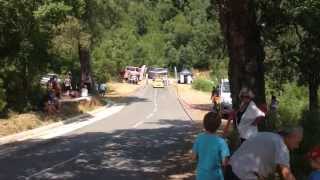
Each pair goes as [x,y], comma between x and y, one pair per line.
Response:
[313,95]
[25,83]
[242,36]
[85,68]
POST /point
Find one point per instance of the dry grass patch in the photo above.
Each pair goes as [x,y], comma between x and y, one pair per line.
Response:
[21,122]
[16,123]
[201,74]
[193,96]
[121,89]
[118,92]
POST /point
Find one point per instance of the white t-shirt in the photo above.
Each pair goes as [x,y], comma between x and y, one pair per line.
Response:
[84,92]
[245,127]
[260,155]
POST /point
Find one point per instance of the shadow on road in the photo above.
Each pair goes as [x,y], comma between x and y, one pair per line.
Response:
[155,153]
[127,100]
[202,107]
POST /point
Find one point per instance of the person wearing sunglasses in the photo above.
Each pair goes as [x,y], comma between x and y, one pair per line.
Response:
[247,117]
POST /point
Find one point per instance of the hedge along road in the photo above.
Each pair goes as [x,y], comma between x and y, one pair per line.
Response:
[149,139]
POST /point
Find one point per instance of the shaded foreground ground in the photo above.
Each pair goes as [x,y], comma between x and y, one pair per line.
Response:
[159,149]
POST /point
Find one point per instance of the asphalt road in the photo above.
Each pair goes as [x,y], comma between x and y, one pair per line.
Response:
[148,139]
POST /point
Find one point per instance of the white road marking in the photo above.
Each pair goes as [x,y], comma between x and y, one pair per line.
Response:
[155,110]
[149,116]
[67,128]
[120,163]
[119,135]
[137,124]
[155,103]
[77,125]
[53,167]
[155,97]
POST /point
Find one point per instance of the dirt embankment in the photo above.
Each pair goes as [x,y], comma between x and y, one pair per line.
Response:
[16,123]
[196,102]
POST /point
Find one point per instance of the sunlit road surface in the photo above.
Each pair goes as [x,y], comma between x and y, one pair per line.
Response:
[149,139]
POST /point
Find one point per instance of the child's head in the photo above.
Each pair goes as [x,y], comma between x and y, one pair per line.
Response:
[314,157]
[211,122]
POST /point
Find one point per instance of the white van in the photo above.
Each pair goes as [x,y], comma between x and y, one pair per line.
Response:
[225,95]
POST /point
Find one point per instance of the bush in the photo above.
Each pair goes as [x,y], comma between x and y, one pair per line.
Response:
[219,70]
[202,85]
[292,103]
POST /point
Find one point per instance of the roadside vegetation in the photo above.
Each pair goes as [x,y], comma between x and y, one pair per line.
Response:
[203,85]
[56,36]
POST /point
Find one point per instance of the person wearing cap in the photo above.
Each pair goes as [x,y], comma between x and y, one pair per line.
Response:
[314,158]
[260,156]
[247,117]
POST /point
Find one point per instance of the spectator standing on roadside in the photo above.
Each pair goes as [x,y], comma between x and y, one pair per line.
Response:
[216,100]
[56,87]
[247,117]
[50,83]
[314,158]
[84,91]
[67,83]
[147,78]
[51,102]
[259,156]
[102,89]
[274,103]
[271,122]
[165,80]
[210,150]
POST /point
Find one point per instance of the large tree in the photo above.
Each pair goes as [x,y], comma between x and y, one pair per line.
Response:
[241,32]
[292,43]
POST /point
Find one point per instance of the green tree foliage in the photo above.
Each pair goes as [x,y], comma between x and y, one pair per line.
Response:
[160,33]
[25,38]
[29,46]
[37,37]
[291,42]
[292,50]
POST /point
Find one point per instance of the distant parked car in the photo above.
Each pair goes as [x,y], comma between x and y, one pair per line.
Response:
[153,72]
[133,78]
[44,79]
[158,83]
[225,94]
[129,70]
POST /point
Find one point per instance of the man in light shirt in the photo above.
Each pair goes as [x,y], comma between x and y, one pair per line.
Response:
[263,154]
[247,117]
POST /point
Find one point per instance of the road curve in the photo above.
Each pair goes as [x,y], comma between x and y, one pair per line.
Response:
[148,139]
